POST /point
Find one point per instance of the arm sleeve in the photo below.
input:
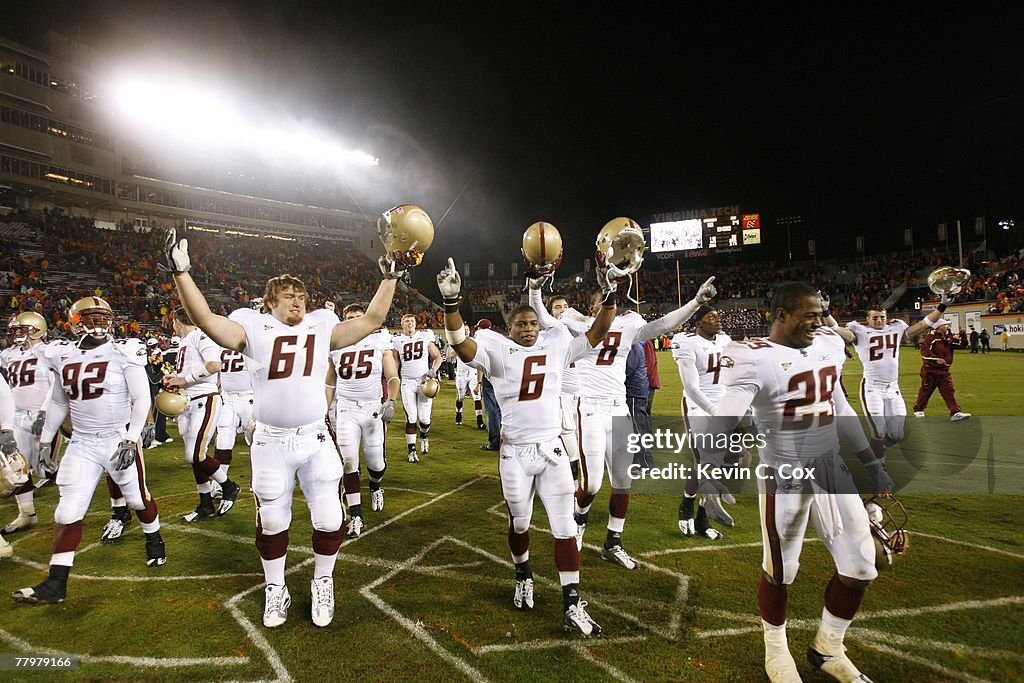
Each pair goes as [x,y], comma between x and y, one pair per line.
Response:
[725,420]
[669,322]
[56,410]
[138,389]
[547,321]
[578,348]
[850,431]
[6,405]
[209,350]
[691,384]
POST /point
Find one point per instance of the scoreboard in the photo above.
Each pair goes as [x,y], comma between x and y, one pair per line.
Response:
[706,235]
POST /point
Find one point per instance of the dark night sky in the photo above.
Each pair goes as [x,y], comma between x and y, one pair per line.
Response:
[862,121]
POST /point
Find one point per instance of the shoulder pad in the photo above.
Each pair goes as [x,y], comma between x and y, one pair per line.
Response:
[133,350]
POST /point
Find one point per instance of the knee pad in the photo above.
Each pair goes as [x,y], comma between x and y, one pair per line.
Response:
[350,462]
[70,511]
[134,499]
[521,525]
[274,520]
[563,526]
[327,516]
[374,459]
[269,485]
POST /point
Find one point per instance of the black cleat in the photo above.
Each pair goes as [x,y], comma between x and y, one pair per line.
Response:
[49,592]
[204,509]
[229,490]
[156,555]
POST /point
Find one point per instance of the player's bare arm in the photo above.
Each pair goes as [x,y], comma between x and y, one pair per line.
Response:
[389,362]
[449,282]
[330,384]
[351,331]
[227,333]
[830,322]
[435,358]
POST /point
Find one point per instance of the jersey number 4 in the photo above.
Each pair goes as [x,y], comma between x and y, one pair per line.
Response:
[81,382]
[814,392]
[878,346]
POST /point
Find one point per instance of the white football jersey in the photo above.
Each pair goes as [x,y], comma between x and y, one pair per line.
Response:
[461,368]
[194,352]
[287,365]
[602,371]
[359,367]
[879,350]
[414,353]
[27,375]
[793,405]
[234,377]
[94,381]
[527,380]
[706,356]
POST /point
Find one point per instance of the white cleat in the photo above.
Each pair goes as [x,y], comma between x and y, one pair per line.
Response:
[275,610]
[580,530]
[836,665]
[377,500]
[686,527]
[355,527]
[781,667]
[6,549]
[576,619]
[322,592]
[918,413]
[523,599]
[424,445]
[959,416]
[22,521]
[216,492]
[618,555]
[413,457]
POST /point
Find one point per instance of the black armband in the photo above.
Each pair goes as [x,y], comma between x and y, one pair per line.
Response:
[941,308]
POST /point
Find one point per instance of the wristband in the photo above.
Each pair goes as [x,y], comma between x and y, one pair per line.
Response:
[452,306]
[455,337]
[941,308]
[834,327]
[197,376]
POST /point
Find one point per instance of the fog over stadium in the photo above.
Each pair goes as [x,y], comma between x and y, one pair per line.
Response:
[861,123]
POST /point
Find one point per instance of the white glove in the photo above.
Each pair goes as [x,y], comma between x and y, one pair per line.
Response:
[536,283]
[37,424]
[8,445]
[607,284]
[176,253]
[390,268]
[46,463]
[826,303]
[945,298]
[705,294]
[449,282]
[387,411]
[715,493]
[124,456]
[881,483]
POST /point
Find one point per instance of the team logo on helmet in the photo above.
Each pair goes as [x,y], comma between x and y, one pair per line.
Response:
[406,232]
[542,248]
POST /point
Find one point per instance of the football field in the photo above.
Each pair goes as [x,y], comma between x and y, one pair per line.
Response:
[426,593]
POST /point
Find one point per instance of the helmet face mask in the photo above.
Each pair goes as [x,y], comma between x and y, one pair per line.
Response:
[621,244]
[888,521]
[92,317]
[27,326]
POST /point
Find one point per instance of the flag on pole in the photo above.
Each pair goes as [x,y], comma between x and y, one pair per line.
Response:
[908,237]
[490,270]
[860,244]
[942,232]
[515,269]
[586,265]
[979,225]
[810,247]
[465,269]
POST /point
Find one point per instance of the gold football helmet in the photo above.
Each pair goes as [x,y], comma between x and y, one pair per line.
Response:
[28,325]
[948,280]
[888,520]
[542,248]
[13,473]
[406,232]
[93,316]
[429,387]
[621,244]
[171,403]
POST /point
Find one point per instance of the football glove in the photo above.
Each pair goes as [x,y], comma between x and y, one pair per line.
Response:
[826,303]
[387,411]
[391,269]
[881,483]
[715,493]
[176,253]
[706,293]
[8,446]
[124,456]
[46,462]
[539,282]
[37,424]
[945,298]
[607,283]
[148,435]
[449,282]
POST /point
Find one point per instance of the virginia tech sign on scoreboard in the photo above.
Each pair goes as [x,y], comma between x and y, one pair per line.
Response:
[700,232]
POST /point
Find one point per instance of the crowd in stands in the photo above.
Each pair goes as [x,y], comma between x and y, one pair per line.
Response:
[70,254]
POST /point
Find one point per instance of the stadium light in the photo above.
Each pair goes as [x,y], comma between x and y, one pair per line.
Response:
[202,117]
[1006,224]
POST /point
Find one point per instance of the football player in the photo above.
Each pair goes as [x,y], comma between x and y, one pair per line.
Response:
[354,383]
[419,358]
[791,380]
[197,372]
[8,445]
[103,383]
[236,409]
[29,380]
[699,355]
[570,389]
[525,369]
[287,356]
[602,397]
[878,347]
[467,381]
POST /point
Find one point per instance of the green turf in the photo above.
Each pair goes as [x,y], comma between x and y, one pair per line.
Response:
[428,596]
